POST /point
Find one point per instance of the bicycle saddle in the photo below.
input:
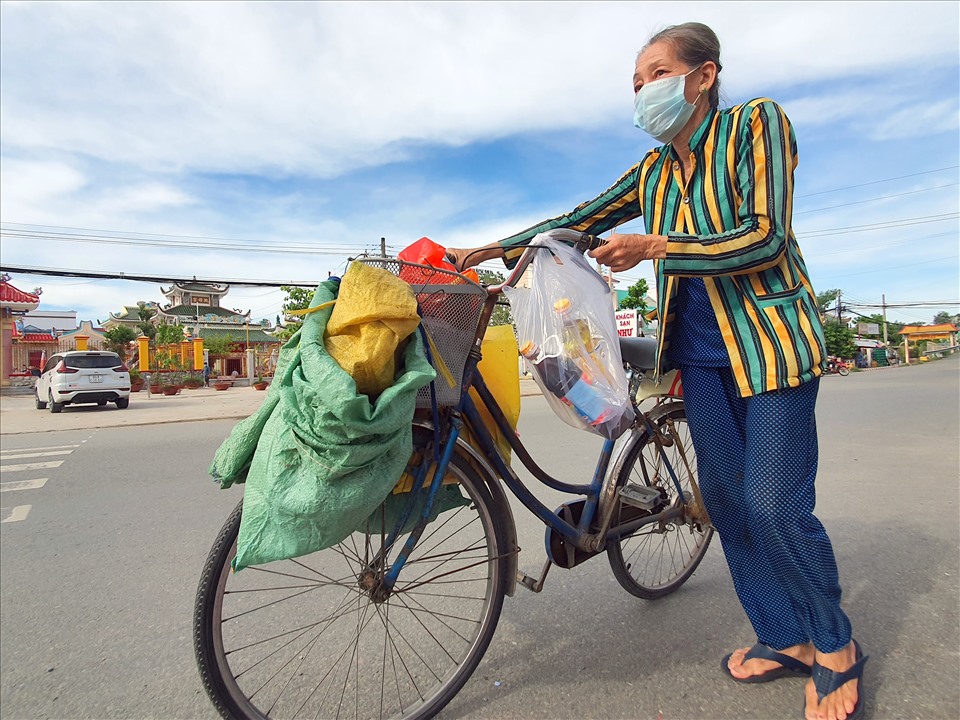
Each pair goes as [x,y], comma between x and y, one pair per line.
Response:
[641,352]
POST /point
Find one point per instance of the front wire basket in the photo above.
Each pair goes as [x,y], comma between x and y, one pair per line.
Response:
[450,308]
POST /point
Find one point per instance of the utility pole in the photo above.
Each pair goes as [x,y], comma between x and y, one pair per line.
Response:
[383,247]
[839,293]
[883,304]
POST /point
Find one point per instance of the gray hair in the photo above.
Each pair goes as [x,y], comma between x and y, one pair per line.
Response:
[695,44]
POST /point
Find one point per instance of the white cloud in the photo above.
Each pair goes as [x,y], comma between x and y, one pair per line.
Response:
[318,88]
[929,118]
[27,183]
[126,123]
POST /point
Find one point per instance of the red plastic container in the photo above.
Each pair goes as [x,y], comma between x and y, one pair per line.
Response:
[426,252]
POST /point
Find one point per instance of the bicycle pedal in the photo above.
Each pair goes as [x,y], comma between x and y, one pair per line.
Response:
[639,496]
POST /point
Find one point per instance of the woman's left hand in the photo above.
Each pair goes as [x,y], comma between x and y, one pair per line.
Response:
[623,252]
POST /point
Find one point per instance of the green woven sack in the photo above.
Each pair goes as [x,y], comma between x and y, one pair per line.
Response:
[318,457]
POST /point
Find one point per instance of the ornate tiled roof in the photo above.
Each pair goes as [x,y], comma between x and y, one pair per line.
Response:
[190,311]
[213,288]
[131,313]
[9,295]
[31,334]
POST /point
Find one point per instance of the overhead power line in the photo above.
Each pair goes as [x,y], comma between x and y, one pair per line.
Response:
[61,272]
[888,224]
[877,182]
[876,199]
[219,247]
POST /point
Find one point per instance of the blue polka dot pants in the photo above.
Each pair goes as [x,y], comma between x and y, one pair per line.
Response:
[756,465]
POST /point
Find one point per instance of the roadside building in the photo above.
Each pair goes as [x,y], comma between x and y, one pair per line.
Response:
[56,321]
[938,338]
[14,352]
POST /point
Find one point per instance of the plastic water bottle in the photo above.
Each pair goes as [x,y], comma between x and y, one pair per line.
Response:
[565,381]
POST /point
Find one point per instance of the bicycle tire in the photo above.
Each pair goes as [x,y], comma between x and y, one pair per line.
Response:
[236,698]
[844,371]
[656,560]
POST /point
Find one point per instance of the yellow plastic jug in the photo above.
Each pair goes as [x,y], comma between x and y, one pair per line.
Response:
[500,368]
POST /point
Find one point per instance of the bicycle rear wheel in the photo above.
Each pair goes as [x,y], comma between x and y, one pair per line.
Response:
[658,558]
[310,637]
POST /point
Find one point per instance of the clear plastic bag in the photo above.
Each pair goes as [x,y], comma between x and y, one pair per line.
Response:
[568,336]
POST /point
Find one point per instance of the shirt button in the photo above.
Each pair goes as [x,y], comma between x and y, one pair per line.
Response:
[686,201]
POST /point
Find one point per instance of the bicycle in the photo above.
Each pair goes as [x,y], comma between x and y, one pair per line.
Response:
[392,621]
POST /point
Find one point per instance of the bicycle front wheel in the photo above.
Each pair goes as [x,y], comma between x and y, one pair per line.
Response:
[659,557]
[311,637]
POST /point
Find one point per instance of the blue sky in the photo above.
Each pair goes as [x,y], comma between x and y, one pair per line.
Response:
[312,130]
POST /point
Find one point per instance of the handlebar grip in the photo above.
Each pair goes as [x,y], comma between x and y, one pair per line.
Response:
[589,242]
[581,241]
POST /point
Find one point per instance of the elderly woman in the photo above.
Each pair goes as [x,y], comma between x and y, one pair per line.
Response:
[739,318]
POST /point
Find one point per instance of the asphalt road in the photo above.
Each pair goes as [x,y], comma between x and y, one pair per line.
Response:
[97,580]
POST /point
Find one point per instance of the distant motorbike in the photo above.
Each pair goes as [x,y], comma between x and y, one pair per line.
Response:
[837,367]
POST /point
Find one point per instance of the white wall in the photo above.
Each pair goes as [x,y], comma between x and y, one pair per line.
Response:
[52,319]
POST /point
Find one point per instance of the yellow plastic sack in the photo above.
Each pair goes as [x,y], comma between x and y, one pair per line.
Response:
[500,368]
[374,313]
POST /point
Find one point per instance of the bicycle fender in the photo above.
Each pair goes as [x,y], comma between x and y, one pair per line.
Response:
[499,497]
[655,414]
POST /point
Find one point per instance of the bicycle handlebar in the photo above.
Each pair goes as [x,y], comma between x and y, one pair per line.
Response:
[580,241]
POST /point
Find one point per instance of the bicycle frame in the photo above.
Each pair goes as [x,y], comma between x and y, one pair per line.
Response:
[578,534]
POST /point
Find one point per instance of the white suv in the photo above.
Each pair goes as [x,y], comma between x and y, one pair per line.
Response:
[82,376]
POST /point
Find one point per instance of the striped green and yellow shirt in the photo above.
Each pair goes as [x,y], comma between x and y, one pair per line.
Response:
[729,224]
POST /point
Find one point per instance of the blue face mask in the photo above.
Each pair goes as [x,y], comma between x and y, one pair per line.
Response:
[661,109]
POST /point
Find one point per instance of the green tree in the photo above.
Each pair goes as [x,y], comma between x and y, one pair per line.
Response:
[839,339]
[501,313]
[168,334]
[826,298]
[219,345]
[944,317]
[119,338]
[298,298]
[146,315]
[635,297]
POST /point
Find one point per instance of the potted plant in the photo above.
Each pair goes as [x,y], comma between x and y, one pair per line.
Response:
[260,384]
[171,384]
[221,385]
[136,380]
[193,381]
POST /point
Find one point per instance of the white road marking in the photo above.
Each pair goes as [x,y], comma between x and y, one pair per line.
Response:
[4,453]
[31,466]
[36,454]
[23,485]
[17,514]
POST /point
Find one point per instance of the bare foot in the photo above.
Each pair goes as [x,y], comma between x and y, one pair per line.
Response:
[741,669]
[840,703]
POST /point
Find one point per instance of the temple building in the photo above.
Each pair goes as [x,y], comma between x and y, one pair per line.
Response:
[197,308]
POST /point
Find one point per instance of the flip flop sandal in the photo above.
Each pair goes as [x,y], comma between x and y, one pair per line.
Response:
[789,667]
[828,681]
